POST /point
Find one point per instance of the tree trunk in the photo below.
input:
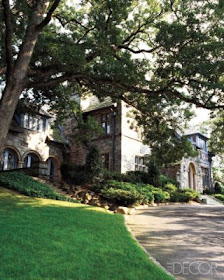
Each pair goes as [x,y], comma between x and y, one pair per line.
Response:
[8,105]
[16,82]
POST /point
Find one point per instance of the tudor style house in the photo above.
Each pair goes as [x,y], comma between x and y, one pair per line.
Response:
[30,144]
[122,149]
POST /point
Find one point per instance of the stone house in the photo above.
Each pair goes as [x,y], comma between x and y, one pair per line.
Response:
[122,148]
[30,144]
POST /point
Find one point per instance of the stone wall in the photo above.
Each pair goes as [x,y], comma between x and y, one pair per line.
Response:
[131,140]
[28,141]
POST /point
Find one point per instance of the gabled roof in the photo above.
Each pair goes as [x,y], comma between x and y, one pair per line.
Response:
[197,133]
[107,102]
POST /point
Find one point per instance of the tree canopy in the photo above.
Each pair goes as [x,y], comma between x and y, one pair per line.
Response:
[154,55]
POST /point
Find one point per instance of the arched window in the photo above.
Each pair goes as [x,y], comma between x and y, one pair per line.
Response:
[10,160]
[31,160]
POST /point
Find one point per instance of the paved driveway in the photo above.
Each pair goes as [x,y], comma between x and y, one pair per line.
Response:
[188,240]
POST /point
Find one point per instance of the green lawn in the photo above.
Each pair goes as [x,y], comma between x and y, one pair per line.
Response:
[48,239]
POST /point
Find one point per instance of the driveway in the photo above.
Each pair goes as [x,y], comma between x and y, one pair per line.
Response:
[188,240]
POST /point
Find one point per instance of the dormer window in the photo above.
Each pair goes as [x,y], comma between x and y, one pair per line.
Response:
[202,144]
[37,123]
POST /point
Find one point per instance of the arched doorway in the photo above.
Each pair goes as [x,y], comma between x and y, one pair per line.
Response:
[53,166]
[9,159]
[31,160]
[192,176]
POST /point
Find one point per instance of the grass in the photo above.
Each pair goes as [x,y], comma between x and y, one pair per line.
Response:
[49,239]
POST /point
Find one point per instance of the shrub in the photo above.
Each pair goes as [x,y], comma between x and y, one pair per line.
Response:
[113,175]
[218,188]
[169,187]
[208,191]
[179,197]
[219,196]
[26,185]
[153,173]
[123,197]
[138,177]
[165,180]
[160,195]
[192,194]
[75,174]
[93,165]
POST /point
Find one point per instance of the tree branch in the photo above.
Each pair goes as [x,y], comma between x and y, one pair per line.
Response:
[8,37]
[48,17]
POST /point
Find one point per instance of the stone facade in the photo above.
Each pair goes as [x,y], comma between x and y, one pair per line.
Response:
[35,149]
[122,146]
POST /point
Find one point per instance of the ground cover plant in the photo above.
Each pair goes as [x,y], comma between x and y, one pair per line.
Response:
[26,185]
[49,239]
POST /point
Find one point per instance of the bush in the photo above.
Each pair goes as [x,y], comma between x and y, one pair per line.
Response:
[153,173]
[192,194]
[179,197]
[219,196]
[169,187]
[26,185]
[144,190]
[93,165]
[218,188]
[75,174]
[114,175]
[208,191]
[166,180]
[160,196]
[123,197]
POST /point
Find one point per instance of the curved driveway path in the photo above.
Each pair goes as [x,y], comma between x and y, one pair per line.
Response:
[188,240]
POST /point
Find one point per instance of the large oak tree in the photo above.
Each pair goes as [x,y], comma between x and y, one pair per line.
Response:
[155,55]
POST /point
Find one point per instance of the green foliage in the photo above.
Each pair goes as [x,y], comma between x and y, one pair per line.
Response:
[153,172]
[82,174]
[184,195]
[24,184]
[179,197]
[169,187]
[218,188]
[219,196]
[166,180]
[160,195]
[123,197]
[75,174]
[93,165]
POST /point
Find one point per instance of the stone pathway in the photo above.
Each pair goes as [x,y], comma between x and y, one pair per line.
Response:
[211,200]
[188,240]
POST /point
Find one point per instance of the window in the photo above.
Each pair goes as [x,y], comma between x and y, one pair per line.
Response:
[9,160]
[36,123]
[106,161]
[205,177]
[140,164]
[202,144]
[31,160]
[105,123]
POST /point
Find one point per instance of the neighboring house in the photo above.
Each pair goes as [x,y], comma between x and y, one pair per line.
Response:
[194,173]
[30,144]
[122,149]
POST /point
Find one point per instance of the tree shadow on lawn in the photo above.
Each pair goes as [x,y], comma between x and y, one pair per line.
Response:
[47,239]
